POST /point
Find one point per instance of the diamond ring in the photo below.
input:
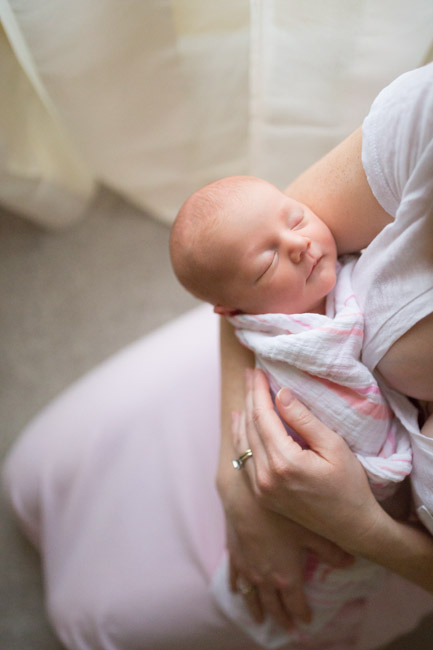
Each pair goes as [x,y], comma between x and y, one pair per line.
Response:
[238,463]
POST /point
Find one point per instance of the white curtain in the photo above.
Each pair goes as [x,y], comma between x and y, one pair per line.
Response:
[156,98]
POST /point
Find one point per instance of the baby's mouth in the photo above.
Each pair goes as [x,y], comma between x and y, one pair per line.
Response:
[315,263]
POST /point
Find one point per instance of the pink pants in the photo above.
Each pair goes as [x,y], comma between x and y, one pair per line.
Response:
[115,483]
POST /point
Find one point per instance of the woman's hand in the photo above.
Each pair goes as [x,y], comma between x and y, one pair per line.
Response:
[267,552]
[323,488]
[265,549]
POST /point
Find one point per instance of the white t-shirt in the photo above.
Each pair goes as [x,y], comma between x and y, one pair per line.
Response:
[393,279]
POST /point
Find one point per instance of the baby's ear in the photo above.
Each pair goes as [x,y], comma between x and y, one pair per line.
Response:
[225,311]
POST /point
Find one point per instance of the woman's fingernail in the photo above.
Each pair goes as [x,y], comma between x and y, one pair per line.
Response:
[285,396]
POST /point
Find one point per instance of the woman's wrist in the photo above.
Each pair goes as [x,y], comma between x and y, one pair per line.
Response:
[402,547]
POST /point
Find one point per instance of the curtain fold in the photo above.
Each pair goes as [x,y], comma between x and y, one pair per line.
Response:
[156,98]
[41,174]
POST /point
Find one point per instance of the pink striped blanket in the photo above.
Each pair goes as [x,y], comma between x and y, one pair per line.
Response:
[319,358]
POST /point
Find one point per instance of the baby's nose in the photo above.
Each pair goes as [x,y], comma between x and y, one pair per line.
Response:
[299,247]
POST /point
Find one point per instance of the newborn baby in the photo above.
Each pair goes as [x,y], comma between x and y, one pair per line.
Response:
[244,246]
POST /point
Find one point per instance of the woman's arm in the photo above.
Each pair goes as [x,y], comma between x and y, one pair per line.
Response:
[325,488]
[235,358]
[337,190]
[266,550]
[338,183]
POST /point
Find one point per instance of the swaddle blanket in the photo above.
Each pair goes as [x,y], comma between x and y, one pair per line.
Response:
[318,357]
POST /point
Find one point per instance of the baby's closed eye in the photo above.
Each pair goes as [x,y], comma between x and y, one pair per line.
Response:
[270,263]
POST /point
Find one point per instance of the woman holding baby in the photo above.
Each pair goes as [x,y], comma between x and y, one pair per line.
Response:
[399,259]
[114,482]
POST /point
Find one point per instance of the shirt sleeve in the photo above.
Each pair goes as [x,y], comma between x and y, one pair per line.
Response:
[396,132]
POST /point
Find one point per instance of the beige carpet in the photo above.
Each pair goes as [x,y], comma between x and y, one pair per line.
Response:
[68,301]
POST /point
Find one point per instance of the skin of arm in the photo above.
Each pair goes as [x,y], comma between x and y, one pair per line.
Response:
[235,358]
[325,488]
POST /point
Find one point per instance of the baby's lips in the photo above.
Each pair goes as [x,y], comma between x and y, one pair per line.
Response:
[315,263]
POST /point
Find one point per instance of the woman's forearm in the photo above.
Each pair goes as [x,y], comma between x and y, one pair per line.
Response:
[234,359]
[403,548]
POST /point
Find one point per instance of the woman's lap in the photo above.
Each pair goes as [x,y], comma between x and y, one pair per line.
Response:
[115,482]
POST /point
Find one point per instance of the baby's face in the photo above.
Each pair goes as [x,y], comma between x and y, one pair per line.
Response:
[281,256]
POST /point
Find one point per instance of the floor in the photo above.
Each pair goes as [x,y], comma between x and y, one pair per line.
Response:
[69,300]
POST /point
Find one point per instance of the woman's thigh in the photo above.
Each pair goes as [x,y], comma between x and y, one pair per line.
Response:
[115,482]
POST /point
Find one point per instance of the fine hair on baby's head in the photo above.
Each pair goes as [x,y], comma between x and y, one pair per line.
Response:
[200,257]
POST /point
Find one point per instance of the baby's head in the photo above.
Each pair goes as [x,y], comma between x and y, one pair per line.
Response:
[244,246]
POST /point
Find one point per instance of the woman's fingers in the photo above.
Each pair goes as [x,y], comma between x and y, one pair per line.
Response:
[255,605]
[252,438]
[239,584]
[264,425]
[328,551]
[258,417]
[259,407]
[274,604]
[267,569]
[262,431]
[241,445]
[318,436]
[265,431]
[295,603]
[284,605]
[306,485]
